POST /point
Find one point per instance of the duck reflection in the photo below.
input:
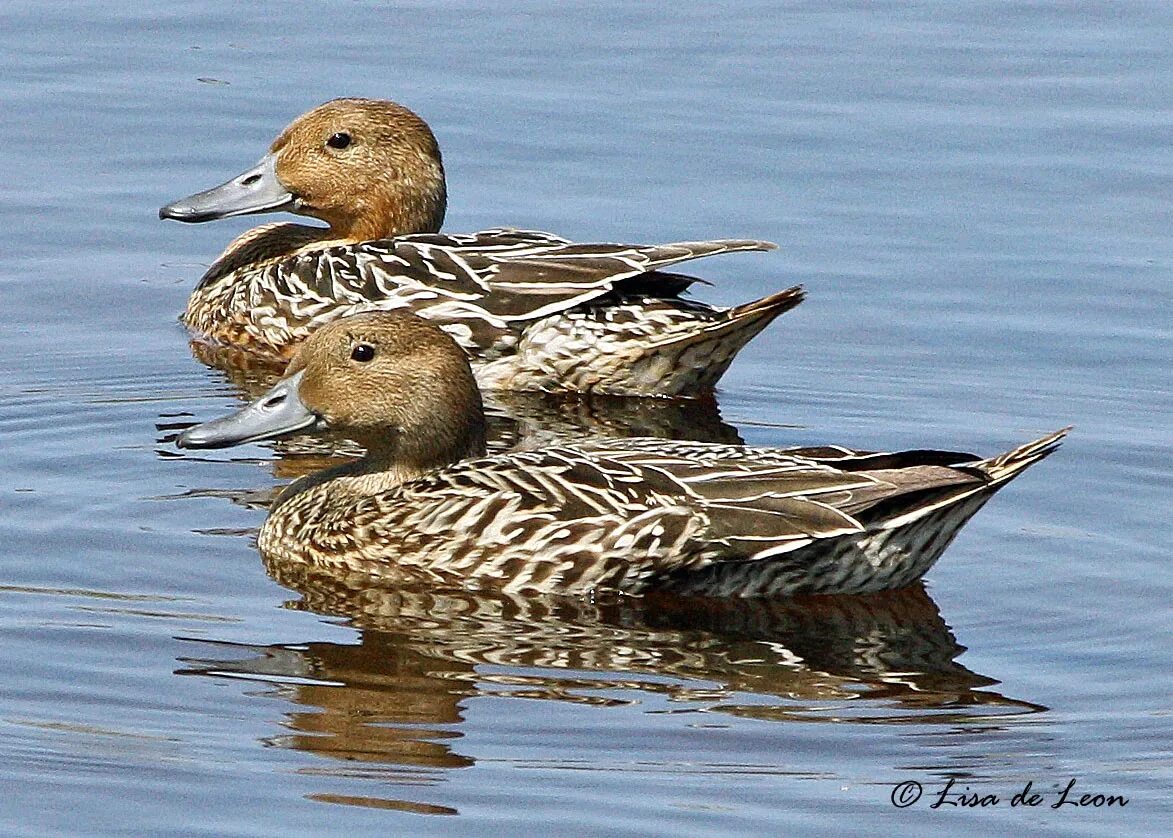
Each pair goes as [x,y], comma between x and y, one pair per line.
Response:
[398,696]
[515,419]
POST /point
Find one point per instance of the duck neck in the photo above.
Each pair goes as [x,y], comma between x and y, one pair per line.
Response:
[407,453]
[392,459]
[402,460]
[396,211]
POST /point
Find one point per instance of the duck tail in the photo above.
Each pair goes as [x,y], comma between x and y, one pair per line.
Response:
[1003,467]
[706,348]
[645,347]
[764,311]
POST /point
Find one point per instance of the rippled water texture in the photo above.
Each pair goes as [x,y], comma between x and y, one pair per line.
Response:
[977,198]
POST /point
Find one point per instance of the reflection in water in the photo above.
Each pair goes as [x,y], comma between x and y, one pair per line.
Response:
[395,701]
[543,419]
[518,421]
[252,374]
[391,708]
[515,420]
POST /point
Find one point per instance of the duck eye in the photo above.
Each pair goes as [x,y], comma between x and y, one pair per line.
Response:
[363,352]
[340,140]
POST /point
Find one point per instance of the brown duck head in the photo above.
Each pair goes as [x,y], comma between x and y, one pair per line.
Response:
[391,380]
[369,168]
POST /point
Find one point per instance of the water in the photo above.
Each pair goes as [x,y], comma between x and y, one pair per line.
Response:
[977,199]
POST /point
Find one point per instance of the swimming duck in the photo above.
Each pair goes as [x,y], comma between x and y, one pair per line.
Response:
[534,311]
[628,514]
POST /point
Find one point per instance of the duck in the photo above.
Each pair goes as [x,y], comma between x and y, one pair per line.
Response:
[534,311]
[628,515]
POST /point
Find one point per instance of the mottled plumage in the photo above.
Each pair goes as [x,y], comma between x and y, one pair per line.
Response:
[533,311]
[629,515]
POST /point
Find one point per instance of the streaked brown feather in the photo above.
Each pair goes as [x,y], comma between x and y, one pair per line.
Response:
[639,514]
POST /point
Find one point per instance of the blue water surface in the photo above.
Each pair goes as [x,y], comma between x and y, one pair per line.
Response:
[977,197]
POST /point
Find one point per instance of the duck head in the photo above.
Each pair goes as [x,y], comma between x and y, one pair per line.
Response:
[369,168]
[391,380]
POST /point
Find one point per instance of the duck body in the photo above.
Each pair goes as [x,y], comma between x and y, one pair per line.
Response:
[533,311]
[629,515]
[643,514]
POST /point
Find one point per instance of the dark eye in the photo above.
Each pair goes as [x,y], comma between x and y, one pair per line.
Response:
[363,352]
[339,140]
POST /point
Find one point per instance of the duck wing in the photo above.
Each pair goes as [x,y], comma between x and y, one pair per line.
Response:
[762,502]
[689,516]
[747,502]
[505,277]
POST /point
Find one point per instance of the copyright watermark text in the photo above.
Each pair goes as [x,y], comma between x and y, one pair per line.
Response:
[951,795]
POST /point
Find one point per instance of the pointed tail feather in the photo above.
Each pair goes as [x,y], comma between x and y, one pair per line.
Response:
[662,255]
[1005,466]
[770,306]
[744,321]
[704,352]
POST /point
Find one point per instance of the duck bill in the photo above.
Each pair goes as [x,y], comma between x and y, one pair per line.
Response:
[278,412]
[257,190]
